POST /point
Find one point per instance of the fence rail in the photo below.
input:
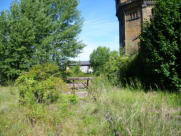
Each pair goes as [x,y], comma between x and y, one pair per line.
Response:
[85,85]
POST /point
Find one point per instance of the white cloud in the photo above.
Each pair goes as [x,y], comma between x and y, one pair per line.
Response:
[84,56]
[98,32]
[100,29]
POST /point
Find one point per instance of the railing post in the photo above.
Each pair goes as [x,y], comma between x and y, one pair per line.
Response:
[87,83]
[73,89]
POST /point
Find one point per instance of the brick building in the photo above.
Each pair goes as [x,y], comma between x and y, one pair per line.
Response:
[131,14]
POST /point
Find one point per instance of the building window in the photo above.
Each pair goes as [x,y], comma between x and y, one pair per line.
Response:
[136,14]
[133,15]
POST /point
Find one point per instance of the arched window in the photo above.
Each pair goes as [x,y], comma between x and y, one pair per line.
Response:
[136,14]
[133,15]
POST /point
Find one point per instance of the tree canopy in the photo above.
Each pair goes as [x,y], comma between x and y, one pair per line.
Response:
[98,58]
[36,31]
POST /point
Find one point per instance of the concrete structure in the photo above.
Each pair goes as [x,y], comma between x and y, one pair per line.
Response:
[131,15]
[85,66]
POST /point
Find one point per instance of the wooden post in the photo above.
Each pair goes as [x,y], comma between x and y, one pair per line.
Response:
[87,83]
[73,89]
[73,79]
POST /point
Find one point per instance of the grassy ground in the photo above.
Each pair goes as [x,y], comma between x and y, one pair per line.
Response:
[106,111]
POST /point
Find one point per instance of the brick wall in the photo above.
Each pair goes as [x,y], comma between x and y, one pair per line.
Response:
[131,17]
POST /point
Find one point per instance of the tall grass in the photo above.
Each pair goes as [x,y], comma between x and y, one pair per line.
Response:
[106,111]
[112,111]
[32,120]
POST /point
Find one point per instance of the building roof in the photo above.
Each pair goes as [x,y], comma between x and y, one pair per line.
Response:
[121,4]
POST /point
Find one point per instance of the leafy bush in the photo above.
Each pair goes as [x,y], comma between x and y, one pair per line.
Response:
[74,71]
[72,99]
[119,69]
[41,84]
[160,48]
[129,71]
[123,70]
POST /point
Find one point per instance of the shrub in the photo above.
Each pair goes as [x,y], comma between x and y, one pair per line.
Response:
[72,98]
[129,71]
[41,84]
[160,48]
[74,71]
[123,70]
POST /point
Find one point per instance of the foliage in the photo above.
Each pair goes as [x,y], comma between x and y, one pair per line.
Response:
[42,84]
[129,72]
[122,70]
[34,31]
[72,99]
[74,71]
[112,67]
[160,48]
[98,58]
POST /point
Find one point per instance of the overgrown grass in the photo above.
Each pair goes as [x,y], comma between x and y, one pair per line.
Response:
[32,120]
[121,112]
[106,111]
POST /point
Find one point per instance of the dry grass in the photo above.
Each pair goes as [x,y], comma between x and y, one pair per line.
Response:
[106,111]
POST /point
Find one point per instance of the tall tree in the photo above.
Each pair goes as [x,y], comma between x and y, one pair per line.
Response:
[15,42]
[36,31]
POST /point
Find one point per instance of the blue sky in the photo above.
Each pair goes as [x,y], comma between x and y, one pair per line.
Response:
[100,25]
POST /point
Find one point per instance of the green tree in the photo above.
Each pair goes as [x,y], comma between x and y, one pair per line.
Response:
[35,31]
[16,37]
[98,58]
[160,48]
[112,67]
